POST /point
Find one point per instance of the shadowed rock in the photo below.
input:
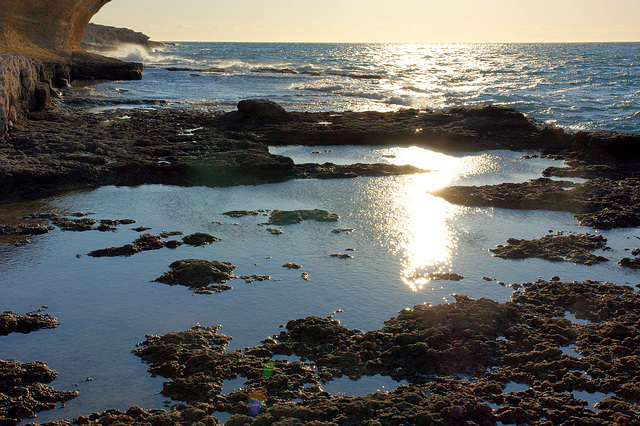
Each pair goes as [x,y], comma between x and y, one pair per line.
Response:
[143,243]
[13,323]
[25,392]
[199,239]
[199,274]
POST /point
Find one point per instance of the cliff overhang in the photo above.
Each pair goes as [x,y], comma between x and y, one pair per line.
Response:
[40,50]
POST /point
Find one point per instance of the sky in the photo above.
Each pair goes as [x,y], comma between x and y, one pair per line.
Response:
[387,21]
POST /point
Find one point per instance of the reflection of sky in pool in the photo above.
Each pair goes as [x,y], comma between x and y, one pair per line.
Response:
[401,235]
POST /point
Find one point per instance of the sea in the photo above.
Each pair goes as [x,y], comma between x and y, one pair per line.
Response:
[398,233]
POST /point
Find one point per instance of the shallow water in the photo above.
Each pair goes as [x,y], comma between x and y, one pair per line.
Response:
[401,233]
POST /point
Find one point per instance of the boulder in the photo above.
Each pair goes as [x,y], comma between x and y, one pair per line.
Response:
[262,109]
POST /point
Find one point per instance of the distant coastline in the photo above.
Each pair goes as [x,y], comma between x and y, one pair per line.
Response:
[103,38]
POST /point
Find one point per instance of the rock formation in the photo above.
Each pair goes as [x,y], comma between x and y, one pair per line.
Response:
[104,38]
[40,49]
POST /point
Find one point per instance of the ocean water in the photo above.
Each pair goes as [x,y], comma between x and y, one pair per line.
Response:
[400,235]
[577,86]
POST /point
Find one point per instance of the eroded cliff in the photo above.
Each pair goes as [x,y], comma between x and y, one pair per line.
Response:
[45,29]
[40,49]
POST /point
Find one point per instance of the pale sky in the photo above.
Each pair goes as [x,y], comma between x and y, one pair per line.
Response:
[407,21]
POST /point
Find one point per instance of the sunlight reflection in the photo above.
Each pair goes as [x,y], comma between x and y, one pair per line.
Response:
[419,224]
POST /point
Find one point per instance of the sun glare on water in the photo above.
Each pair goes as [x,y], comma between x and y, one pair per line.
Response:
[419,226]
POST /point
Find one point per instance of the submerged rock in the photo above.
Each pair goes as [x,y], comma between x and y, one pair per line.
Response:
[286,217]
[199,274]
[558,247]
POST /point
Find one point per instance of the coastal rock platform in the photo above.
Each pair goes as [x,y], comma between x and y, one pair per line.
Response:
[460,361]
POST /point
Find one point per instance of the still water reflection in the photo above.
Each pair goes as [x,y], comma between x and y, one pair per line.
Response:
[401,235]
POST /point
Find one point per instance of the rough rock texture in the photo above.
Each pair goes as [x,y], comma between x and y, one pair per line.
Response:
[199,239]
[40,28]
[24,390]
[558,247]
[104,38]
[58,150]
[10,322]
[144,242]
[136,416]
[199,275]
[457,359]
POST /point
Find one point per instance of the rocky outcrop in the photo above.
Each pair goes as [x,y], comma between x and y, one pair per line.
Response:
[40,49]
[45,29]
[104,38]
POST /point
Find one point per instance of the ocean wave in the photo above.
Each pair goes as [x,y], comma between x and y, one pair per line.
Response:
[136,53]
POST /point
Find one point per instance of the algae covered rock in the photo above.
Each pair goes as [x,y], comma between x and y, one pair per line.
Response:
[199,274]
[288,217]
[199,239]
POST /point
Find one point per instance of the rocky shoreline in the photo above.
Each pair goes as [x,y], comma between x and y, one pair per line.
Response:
[496,344]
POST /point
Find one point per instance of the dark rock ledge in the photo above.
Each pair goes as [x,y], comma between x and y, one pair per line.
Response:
[59,150]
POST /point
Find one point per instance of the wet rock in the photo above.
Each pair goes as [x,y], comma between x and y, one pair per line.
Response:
[542,193]
[447,276]
[252,278]
[342,256]
[199,274]
[633,263]
[199,239]
[24,390]
[143,243]
[291,265]
[275,231]
[558,247]
[241,213]
[125,250]
[494,343]
[10,322]
[141,228]
[136,416]
[285,217]
[262,109]
[602,203]
[167,234]
[25,229]
[76,225]
[305,276]
[340,230]
[111,225]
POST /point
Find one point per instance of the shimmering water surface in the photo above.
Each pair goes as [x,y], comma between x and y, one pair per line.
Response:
[577,86]
[400,235]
